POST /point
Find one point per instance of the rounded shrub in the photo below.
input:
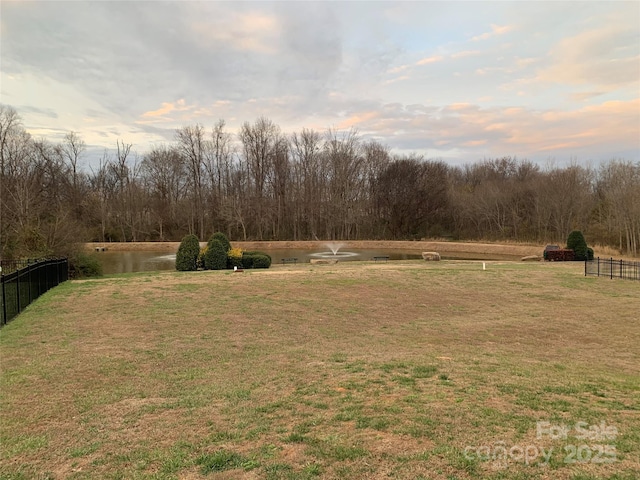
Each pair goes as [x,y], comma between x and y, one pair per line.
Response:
[578,244]
[216,256]
[256,260]
[257,253]
[261,261]
[247,260]
[222,238]
[187,256]
[82,265]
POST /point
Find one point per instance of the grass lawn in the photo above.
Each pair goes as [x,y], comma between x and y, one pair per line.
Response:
[356,370]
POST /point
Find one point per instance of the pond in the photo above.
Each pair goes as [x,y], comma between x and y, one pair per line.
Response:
[147,261]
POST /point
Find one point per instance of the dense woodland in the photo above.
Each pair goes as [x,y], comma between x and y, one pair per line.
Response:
[261,184]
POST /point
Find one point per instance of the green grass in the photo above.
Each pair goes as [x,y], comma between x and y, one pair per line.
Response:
[221,460]
[349,371]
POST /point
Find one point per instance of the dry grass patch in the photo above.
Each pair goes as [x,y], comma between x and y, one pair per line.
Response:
[348,371]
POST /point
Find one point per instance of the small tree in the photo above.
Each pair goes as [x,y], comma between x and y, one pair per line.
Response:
[578,244]
[187,256]
[216,256]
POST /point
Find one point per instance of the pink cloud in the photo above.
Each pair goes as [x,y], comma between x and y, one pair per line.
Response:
[428,60]
[495,30]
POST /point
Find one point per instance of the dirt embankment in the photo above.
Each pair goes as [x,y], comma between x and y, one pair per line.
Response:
[421,246]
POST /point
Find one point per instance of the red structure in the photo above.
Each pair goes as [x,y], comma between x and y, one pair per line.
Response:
[559,255]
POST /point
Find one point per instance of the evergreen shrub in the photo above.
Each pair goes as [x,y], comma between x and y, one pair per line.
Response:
[216,256]
[187,256]
[83,265]
[222,238]
[578,244]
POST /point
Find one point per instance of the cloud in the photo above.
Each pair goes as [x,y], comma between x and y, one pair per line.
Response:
[584,96]
[396,79]
[495,31]
[407,68]
[428,60]
[167,108]
[465,54]
[358,119]
[45,112]
[255,32]
[474,143]
[524,132]
[607,56]
[399,69]
[413,75]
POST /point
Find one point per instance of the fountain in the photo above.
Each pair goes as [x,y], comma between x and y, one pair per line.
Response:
[334,252]
[334,247]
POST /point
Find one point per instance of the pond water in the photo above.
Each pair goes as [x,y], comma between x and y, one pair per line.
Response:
[146,261]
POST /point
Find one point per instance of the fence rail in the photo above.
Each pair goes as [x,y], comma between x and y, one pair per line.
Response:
[24,281]
[611,268]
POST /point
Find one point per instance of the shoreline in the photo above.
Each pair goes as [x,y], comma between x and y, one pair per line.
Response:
[418,246]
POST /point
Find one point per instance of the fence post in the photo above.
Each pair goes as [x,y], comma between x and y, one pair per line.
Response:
[621,269]
[40,290]
[4,301]
[18,290]
[611,268]
[29,279]
[598,266]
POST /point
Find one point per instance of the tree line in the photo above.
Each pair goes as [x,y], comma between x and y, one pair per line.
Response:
[262,184]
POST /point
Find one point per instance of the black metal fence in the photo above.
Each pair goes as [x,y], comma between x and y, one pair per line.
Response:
[24,281]
[611,268]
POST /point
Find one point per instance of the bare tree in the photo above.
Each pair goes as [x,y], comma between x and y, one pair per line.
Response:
[165,173]
[34,218]
[192,145]
[217,165]
[619,184]
[72,149]
[412,197]
[10,124]
[346,180]
[376,160]
[102,194]
[259,143]
[308,182]
[130,203]
[566,200]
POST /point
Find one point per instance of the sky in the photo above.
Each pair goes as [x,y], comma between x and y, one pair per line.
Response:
[546,81]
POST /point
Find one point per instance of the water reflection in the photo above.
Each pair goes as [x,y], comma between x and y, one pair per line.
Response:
[141,261]
[128,262]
